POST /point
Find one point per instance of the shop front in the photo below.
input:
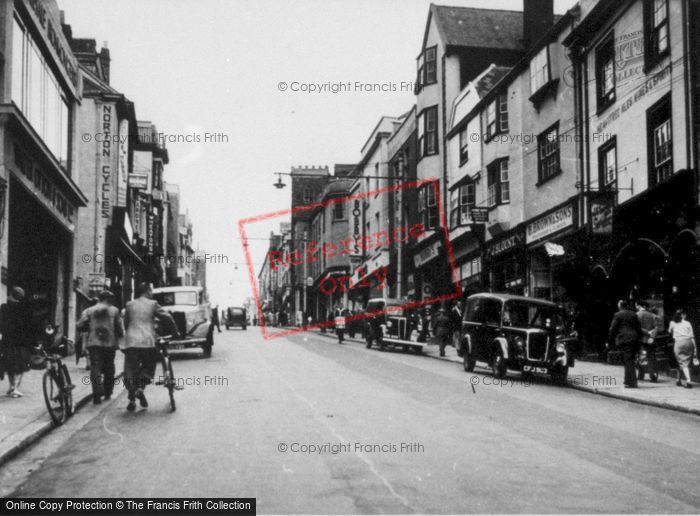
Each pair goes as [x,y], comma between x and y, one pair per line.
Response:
[505,262]
[433,273]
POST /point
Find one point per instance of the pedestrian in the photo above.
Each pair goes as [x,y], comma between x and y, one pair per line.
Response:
[215,319]
[104,325]
[17,336]
[442,329]
[646,360]
[683,345]
[626,332]
[140,350]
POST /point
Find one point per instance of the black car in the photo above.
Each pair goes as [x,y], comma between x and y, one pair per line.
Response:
[236,316]
[517,333]
[396,327]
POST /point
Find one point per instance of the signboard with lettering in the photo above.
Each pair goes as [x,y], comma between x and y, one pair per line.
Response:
[138,181]
[427,254]
[496,249]
[480,215]
[105,153]
[123,165]
[143,166]
[551,223]
[151,234]
[602,215]
[356,225]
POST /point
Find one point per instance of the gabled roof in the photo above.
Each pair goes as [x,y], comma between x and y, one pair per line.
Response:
[477,28]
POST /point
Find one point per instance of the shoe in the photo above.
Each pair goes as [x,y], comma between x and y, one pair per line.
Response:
[679,383]
[9,392]
[688,386]
[142,398]
[107,397]
[131,406]
[442,353]
[16,394]
[96,401]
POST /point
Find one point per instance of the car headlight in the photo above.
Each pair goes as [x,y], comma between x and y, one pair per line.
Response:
[190,320]
[388,324]
[519,345]
[561,348]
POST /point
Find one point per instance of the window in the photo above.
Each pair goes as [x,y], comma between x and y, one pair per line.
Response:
[498,183]
[539,70]
[462,201]
[427,132]
[427,67]
[427,206]
[660,141]
[497,116]
[463,146]
[656,38]
[548,154]
[605,73]
[339,210]
[308,194]
[607,159]
[37,93]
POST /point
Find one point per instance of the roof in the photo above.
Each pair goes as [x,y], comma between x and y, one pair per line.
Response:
[512,297]
[185,288]
[480,28]
[486,81]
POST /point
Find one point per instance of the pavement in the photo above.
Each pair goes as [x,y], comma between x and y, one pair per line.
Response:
[25,420]
[603,379]
[307,426]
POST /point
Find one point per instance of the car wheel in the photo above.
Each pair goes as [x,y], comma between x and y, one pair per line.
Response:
[560,374]
[498,364]
[467,361]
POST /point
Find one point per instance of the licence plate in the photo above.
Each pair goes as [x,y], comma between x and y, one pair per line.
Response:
[533,369]
[177,346]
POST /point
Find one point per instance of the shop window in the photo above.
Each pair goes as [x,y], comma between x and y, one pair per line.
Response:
[607,160]
[463,146]
[498,183]
[548,154]
[605,73]
[427,132]
[540,74]
[427,207]
[660,138]
[463,199]
[656,27]
[37,93]
[497,116]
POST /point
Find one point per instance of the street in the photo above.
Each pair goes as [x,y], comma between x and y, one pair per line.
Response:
[415,436]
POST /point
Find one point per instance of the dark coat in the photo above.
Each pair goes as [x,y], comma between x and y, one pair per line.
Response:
[625,329]
[17,337]
[442,324]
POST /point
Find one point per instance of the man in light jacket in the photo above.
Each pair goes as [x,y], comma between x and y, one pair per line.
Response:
[140,350]
[104,326]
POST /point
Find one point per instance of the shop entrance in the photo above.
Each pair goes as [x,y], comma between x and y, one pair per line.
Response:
[38,257]
[638,271]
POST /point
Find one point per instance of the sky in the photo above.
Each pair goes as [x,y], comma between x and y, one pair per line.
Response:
[210,72]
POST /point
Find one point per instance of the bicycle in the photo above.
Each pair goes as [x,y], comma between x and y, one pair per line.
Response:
[167,379]
[57,385]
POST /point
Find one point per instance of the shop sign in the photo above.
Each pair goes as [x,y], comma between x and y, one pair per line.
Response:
[480,215]
[427,254]
[551,223]
[151,234]
[44,188]
[602,215]
[505,245]
[138,181]
[105,150]
[123,165]
[143,167]
[356,227]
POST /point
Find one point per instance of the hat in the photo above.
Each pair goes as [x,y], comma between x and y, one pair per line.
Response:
[105,294]
[18,293]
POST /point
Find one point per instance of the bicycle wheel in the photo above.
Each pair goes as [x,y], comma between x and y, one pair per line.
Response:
[55,398]
[67,391]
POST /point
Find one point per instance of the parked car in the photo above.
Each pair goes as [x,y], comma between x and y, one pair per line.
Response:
[190,309]
[236,316]
[518,333]
[397,327]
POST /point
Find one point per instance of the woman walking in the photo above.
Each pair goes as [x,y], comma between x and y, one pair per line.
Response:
[15,327]
[684,345]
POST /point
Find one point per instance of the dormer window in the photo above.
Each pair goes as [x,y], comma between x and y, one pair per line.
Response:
[540,74]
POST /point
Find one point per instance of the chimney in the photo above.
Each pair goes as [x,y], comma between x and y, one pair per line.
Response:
[105,61]
[538,18]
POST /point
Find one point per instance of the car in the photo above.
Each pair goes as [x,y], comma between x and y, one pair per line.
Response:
[191,311]
[236,316]
[517,333]
[396,327]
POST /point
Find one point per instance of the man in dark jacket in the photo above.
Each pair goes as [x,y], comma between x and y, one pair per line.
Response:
[647,352]
[442,329]
[626,334]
